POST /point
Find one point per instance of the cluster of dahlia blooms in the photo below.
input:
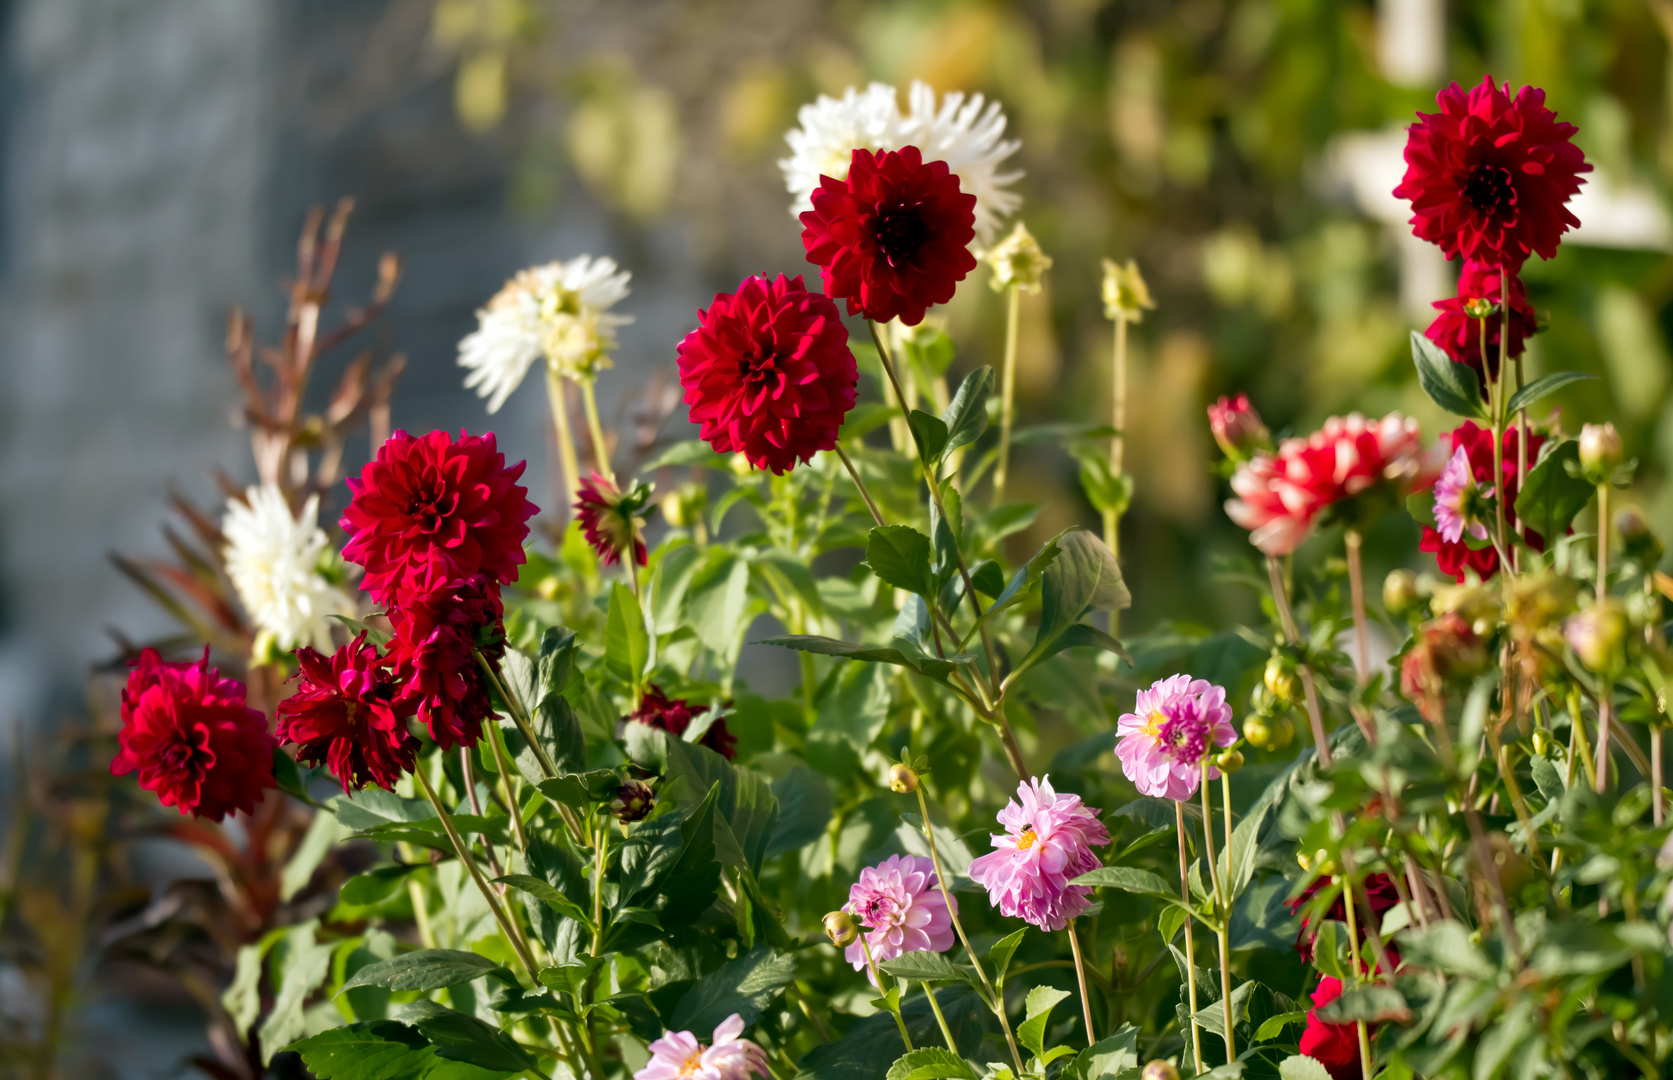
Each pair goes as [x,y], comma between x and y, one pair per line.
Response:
[438,525]
[1282,494]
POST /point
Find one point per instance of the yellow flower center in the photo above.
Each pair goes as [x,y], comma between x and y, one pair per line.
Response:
[1153,724]
[1026,840]
[688,1067]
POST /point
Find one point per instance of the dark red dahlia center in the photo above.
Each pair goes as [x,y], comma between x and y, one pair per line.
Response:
[1489,190]
[431,501]
[758,364]
[901,230]
[189,755]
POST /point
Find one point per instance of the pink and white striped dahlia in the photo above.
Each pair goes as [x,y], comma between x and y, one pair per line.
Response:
[1047,843]
[900,907]
[1172,725]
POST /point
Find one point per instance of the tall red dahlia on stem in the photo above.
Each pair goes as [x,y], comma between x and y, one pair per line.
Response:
[345,714]
[438,632]
[192,739]
[429,507]
[1456,557]
[1459,335]
[1335,1046]
[894,238]
[1489,177]
[768,372]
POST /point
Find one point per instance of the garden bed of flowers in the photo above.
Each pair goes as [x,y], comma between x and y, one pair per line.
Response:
[496,800]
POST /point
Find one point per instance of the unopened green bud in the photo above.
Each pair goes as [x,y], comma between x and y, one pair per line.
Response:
[1400,593]
[1479,307]
[1229,760]
[1598,636]
[1017,260]
[1280,681]
[1257,731]
[633,802]
[902,780]
[840,928]
[1600,451]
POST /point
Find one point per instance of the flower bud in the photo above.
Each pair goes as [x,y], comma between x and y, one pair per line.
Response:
[1229,761]
[1017,260]
[1542,741]
[840,928]
[1280,681]
[1126,296]
[1600,451]
[1237,427]
[1257,732]
[1159,1070]
[633,802]
[1636,537]
[1480,307]
[902,780]
[1283,733]
[1598,636]
[1400,593]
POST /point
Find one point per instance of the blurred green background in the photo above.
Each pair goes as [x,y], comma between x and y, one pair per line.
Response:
[1241,150]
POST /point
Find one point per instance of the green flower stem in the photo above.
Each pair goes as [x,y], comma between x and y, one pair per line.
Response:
[940,1017]
[601,449]
[518,945]
[865,493]
[502,762]
[570,466]
[467,766]
[877,977]
[1353,950]
[1504,361]
[1606,682]
[1080,975]
[1118,421]
[1496,398]
[601,847]
[1356,590]
[1286,617]
[546,765]
[1223,902]
[1190,938]
[1007,392]
[995,1000]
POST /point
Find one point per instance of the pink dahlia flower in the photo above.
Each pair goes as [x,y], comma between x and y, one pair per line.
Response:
[899,903]
[1455,499]
[1047,843]
[1172,726]
[678,1055]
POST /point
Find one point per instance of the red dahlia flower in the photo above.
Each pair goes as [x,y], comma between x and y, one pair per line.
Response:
[1456,557]
[344,714]
[1237,427]
[192,738]
[1280,496]
[894,238]
[674,715]
[611,520]
[1488,178]
[768,372]
[1335,1046]
[1459,336]
[431,507]
[1379,890]
[438,631]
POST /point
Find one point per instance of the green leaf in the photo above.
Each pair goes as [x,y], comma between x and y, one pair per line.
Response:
[900,556]
[1127,878]
[1107,1058]
[1000,955]
[689,452]
[1273,1026]
[306,965]
[373,886]
[854,706]
[1084,576]
[931,1063]
[924,966]
[871,1046]
[372,806]
[930,434]
[1029,573]
[1420,504]
[930,666]
[1330,950]
[465,1038]
[426,969]
[1238,859]
[805,804]
[1450,385]
[378,1050]
[966,417]
[1547,778]
[627,645]
[1445,946]
[538,684]
[374,636]
[324,833]
[1542,386]
[569,978]
[988,578]
[550,895]
[1038,1005]
[1301,1067]
[716,598]
[1373,1004]
[745,811]
[1551,497]
[745,986]
[582,790]
[1083,635]
[692,882]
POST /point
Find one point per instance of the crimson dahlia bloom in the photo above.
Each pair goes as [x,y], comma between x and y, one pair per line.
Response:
[1335,1046]
[674,715]
[894,238]
[192,739]
[438,630]
[1456,557]
[1047,843]
[1459,336]
[611,520]
[768,372]
[1379,890]
[1488,177]
[344,714]
[430,507]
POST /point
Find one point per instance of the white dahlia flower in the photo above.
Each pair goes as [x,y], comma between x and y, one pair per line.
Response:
[965,132]
[274,562]
[559,311]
